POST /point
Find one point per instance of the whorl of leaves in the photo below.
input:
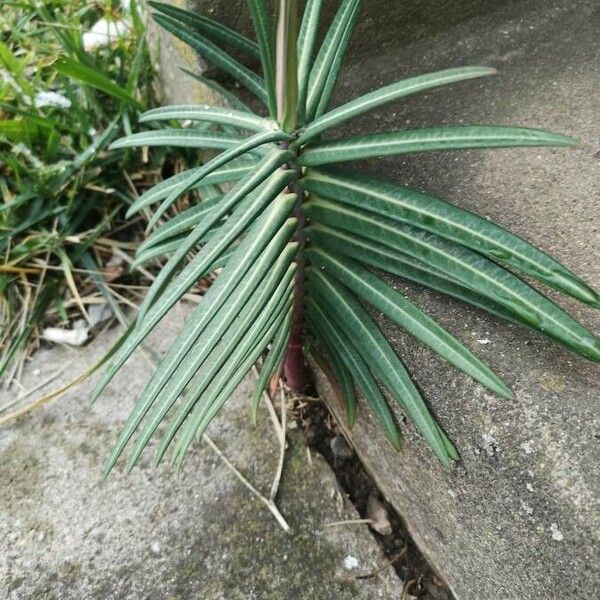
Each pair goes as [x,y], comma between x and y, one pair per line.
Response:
[299,241]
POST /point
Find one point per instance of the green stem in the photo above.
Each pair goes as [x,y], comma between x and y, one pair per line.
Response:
[286,63]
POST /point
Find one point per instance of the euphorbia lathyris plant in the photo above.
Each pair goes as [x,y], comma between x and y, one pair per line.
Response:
[297,239]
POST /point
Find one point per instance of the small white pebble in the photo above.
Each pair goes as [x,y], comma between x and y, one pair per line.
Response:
[484,341]
[526,447]
[529,487]
[155,548]
[490,444]
[527,508]
[556,533]
[350,562]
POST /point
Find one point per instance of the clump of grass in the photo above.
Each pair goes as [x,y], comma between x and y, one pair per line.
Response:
[63,196]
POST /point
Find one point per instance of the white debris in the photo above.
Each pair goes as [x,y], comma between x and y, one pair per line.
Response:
[484,341]
[350,562]
[556,533]
[526,508]
[103,33]
[379,516]
[527,447]
[529,487]
[76,336]
[98,313]
[155,548]
[490,444]
[51,99]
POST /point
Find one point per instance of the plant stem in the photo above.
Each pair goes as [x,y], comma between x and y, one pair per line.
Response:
[286,64]
[295,368]
[286,92]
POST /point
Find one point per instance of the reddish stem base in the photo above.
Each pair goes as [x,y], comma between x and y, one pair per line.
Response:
[295,368]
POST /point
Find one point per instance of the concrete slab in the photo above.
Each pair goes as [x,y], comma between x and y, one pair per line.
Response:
[520,517]
[199,533]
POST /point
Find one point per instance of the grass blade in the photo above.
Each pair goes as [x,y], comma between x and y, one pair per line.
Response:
[94,78]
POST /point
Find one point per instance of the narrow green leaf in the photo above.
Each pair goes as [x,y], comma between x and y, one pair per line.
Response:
[220,319]
[210,114]
[272,362]
[180,223]
[448,221]
[320,320]
[168,248]
[179,138]
[228,173]
[94,78]
[343,377]
[263,27]
[425,140]
[383,297]
[379,355]
[215,55]
[388,94]
[306,42]
[231,99]
[160,249]
[213,30]
[155,310]
[23,130]
[395,262]
[204,313]
[276,179]
[16,68]
[336,64]
[261,308]
[464,266]
[255,141]
[337,36]
[226,382]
